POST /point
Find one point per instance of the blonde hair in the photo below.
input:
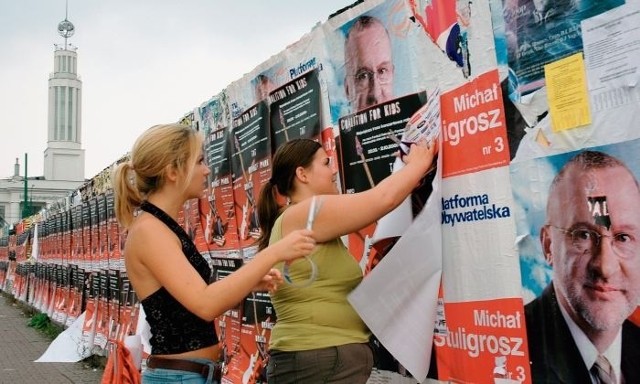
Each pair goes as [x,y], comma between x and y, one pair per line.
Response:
[159,147]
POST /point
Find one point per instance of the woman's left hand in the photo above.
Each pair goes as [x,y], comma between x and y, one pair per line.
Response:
[270,282]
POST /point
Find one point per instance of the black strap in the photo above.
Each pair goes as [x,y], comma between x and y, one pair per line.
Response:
[166,219]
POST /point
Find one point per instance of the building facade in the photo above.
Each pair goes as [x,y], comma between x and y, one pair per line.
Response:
[24,195]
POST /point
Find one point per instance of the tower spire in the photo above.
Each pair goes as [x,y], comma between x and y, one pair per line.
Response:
[64,156]
[65,27]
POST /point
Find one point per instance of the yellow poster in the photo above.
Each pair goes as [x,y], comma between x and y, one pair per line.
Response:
[567,93]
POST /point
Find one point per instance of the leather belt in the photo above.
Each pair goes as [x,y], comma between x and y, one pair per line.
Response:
[184,365]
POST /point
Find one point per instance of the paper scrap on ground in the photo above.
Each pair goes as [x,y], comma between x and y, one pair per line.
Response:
[67,347]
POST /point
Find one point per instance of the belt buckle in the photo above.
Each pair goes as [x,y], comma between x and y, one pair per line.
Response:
[204,371]
[217,371]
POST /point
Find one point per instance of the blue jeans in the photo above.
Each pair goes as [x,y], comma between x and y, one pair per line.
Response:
[343,364]
[163,376]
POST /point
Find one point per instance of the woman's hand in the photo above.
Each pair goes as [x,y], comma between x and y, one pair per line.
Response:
[296,244]
[422,153]
[270,282]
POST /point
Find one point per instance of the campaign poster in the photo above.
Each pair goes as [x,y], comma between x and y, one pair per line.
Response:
[368,141]
[103,249]
[530,35]
[594,212]
[258,318]
[541,32]
[91,310]
[255,86]
[189,216]
[77,253]
[189,119]
[608,42]
[85,262]
[70,312]
[57,305]
[102,310]
[46,288]
[446,22]
[95,234]
[295,109]
[131,310]
[217,211]
[55,282]
[474,134]
[76,303]
[116,257]
[251,165]
[113,303]
[66,237]
[480,333]
[228,325]
[56,255]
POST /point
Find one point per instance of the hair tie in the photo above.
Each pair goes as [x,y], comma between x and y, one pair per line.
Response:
[131,173]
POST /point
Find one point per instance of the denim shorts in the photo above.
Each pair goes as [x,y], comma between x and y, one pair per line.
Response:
[163,376]
[344,364]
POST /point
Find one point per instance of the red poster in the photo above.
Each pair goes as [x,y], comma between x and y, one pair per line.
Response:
[251,164]
[474,133]
[483,342]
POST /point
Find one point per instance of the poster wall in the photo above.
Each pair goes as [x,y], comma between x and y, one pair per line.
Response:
[514,259]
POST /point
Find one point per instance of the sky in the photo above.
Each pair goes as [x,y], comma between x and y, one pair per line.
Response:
[141,63]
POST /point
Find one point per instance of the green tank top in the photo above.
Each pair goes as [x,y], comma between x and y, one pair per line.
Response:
[319,315]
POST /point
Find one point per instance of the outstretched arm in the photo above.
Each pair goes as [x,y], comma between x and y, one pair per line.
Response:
[155,259]
[346,213]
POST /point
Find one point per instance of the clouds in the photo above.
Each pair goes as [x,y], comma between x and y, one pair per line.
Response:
[141,63]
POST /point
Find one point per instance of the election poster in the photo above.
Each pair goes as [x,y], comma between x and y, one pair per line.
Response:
[295,109]
[228,325]
[540,32]
[251,165]
[217,204]
[576,226]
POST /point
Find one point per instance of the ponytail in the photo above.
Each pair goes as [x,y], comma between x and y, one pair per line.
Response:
[127,196]
[159,147]
[268,211]
[289,156]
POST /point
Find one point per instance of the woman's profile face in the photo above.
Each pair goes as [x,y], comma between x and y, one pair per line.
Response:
[322,175]
[198,181]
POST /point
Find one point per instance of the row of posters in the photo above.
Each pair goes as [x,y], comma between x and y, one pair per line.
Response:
[516,258]
[515,89]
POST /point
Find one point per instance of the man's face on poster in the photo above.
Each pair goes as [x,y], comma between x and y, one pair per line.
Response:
[263,87]
[368,66]
[592,242]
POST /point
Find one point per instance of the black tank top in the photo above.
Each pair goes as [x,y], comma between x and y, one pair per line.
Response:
[174,329]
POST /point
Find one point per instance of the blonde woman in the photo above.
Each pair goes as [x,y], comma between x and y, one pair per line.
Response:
[167,272]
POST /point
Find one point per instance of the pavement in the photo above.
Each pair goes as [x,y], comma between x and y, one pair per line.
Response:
[20,345]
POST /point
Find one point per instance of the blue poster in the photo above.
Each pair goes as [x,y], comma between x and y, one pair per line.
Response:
[540,32]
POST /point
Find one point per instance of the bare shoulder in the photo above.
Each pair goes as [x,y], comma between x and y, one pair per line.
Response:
[336,215]
[148,235]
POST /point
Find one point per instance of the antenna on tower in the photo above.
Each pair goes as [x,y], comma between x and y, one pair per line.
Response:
[65,27]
